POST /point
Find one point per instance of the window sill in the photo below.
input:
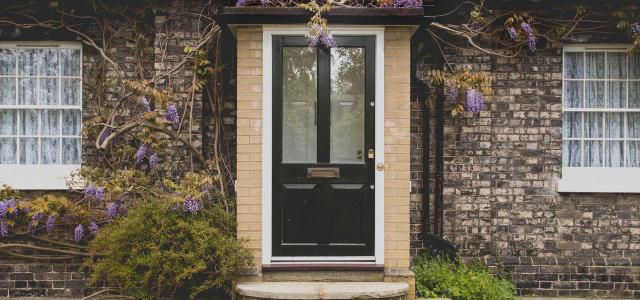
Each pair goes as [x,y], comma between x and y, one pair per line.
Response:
[599,180]
[36,177]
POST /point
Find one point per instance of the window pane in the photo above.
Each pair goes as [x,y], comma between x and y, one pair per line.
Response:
[50,151]
[71,91]
[593,125]
[595,65]
[28,122]
[571,155]
[633,154]
[617,94]
[299,98]
[8,122]
[7,62]
[28,62]
[572,125]
[573,94]
[27,94]
[7,150]
[617,65]
[7,91]
[347,105]
[592,153]
[50,122]
[615,125]
[633,125]
[614,155]
[48,64]
[573,65]
[634,65]
[595,94]
[71,151]
[28,150]
[49,91]
[634,94]
[70,62]
[71,122]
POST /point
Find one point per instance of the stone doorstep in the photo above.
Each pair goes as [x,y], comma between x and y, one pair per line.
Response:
[322,290]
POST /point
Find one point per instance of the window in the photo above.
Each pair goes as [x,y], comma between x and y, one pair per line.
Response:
[601,114]
[40,112]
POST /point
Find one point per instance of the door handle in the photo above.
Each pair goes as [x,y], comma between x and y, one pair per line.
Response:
[370,153]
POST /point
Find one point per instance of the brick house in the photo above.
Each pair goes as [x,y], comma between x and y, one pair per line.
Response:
[349,183]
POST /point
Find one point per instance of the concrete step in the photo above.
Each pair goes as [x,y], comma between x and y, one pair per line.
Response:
[322,290]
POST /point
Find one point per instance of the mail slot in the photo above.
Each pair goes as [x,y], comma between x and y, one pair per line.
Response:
[323,172]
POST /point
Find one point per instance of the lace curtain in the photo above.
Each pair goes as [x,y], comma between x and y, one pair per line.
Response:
[40,105]
[601,118]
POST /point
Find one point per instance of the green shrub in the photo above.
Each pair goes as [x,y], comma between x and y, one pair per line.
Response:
[159,249]
[439,277]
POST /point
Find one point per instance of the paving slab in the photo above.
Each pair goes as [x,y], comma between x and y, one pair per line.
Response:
[322,290]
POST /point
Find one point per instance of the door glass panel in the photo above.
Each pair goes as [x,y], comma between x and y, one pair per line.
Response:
[347,105]
[299,98]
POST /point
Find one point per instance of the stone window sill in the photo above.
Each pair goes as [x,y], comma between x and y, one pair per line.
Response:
[599,180]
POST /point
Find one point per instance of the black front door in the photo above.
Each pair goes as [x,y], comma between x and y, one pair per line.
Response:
[323,147]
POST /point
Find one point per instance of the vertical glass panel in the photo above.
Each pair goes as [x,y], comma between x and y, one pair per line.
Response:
[70,62]
[573,65]
[50,153]
[595,94]
[572,125]
[71,151]
[27,91]
[299,98]
[595,65]
[615,125]
[50,122]
[633,156]
[573,94]
[617,94]
[7,150]
[634,94]
[7,91]
[7,62]
[71,91]
[617,65]
[593,125]
[48,64]
[28,150]
[28,121]
[347,105]
[28,62]
[614,154]
[634,65]
[571,155]
[71,122]
[593,153]
[8,122]
[633,125]
[49,91]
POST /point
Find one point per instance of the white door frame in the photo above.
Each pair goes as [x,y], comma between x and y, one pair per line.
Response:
[267,137]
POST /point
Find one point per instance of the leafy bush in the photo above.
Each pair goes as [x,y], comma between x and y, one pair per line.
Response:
[163,249]
[439,277]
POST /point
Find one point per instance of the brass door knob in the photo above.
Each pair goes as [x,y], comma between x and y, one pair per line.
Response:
[380,167]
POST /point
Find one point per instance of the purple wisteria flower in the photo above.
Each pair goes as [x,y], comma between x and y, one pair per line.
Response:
[526,27]
[141,153]
[50,223]
[240,3]
[153,160]
[635,28]
[78,233]
[6,206]
[94,228]
[531,42]
[453,93]
[4,228]
[475,100]
[93,191]
[407,3]
[105,134]
[513,34]
[172,113]
[112,211]
[191,205]
[33,223]
[318,36]
[144,102]
[265,2]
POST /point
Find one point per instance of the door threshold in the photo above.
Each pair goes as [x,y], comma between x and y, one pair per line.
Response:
[322,266]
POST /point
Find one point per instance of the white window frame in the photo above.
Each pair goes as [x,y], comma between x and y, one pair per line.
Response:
[267,36]
[40,176]
[598,179]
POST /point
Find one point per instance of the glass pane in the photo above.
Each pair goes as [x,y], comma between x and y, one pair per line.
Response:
[8,122]
[28,122]
[571,155]
[633,125]
[7,62]
[572,125]
[634,65]
[50,122]
[70,62]
[633,154]
[7,91]
[573,94]
[634,94]
[27,94]
[614,155]
[49,91]
[71,91]
[593,125]
[573,65]
[7,150]
[71,122]
[28,62]
[71,151]
[617,65]
[347,105]
[595,94]
[50,151]
[48,64]
[299,98]
[593,153]
[595,64]
[615,125]
[28,150]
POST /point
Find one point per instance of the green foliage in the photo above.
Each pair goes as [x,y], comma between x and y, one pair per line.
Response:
[159,250]
[439,277]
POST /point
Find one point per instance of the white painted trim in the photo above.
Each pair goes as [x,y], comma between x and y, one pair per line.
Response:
[599,180]
[37,177]
[267,33]
[322,259]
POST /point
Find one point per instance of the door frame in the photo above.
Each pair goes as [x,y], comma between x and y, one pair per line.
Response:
[267,130]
